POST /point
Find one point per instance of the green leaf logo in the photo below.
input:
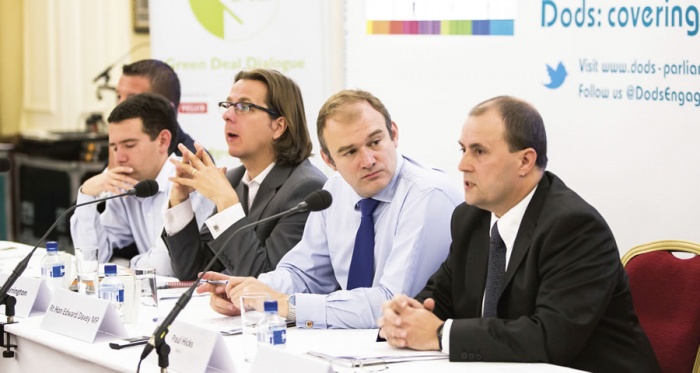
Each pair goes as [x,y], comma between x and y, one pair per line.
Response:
[234,19]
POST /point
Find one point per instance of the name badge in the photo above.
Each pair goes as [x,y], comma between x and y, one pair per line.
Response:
[193,349]
[32,295]
[81,317]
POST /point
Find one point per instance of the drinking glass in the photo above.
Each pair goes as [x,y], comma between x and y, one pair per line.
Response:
[148,298]
[87,265]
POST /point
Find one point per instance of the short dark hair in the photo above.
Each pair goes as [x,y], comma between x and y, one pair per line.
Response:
[163,78]
[334,105]
[284,97]
[524,127]
[155,111]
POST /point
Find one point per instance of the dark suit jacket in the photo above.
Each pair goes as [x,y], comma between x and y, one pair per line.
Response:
[254,250]
[566,298]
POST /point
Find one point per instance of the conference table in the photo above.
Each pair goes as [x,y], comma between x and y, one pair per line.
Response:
[42,350]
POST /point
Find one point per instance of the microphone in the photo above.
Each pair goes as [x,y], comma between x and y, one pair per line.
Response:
[104,74]
[316,201]
[5,165]
[144,188]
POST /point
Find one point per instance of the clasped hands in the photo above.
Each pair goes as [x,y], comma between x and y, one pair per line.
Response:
[405,322]
[197,171]
[225,299]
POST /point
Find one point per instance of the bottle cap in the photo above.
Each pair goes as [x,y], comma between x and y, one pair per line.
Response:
[270,306]
[110,269]
[51,246]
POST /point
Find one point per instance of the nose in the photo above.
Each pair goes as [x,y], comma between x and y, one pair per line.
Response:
[228,114]
[465,164]
[120,155]
[367,159]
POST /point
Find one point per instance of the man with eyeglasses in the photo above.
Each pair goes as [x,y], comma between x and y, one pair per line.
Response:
[265,128]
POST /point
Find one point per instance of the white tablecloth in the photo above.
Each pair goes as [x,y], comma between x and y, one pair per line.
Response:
[40,350]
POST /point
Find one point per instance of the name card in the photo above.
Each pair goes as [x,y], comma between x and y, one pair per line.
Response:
[81,317]
[32,295]
[193,349]
[269,358]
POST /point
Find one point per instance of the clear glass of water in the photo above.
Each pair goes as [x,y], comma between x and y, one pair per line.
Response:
[87,265]
[148,299]
[252,311]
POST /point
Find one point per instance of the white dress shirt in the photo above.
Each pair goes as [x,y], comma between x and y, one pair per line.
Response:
[412,238]
[130,219]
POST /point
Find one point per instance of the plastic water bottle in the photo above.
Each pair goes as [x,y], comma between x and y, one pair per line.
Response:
[112,289]
[53,270]
[272,329]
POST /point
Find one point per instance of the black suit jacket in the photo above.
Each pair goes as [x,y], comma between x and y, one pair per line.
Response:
[254,250]
[566,298]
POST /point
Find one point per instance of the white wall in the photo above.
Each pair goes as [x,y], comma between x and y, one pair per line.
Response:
[635,160]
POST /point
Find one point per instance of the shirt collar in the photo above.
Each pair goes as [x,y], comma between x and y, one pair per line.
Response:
[386,194]
[165,173]
[509,223]
[258,179]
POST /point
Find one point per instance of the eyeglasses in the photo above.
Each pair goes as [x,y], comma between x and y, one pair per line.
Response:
[244,107]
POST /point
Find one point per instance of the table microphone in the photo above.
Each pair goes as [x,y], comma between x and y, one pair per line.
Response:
[5,165]
[144,188]
[316,201]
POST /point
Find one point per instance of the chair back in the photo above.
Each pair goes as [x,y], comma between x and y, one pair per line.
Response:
[667,301]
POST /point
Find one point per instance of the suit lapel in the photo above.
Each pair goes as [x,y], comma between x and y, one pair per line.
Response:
[527,227]
[273,181]
[477,264]
[242,191]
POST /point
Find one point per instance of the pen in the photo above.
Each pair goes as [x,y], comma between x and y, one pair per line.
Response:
[213,282]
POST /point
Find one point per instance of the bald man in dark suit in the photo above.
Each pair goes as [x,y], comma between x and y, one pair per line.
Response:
[558,292]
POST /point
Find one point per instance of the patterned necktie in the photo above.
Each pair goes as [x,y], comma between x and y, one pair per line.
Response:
[496,273]
[362,264]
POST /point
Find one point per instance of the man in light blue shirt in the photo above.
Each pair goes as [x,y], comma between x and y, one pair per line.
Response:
[411,225]
[141,130]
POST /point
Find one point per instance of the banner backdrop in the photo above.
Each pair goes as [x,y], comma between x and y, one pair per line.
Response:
[617,83]
[208,41]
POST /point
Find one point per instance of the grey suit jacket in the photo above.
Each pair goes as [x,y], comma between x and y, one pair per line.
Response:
[566,298]
[253,250]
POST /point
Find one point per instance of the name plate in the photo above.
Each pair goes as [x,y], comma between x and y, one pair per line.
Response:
[269,358]
[193,349]
[81,317]
[32,295]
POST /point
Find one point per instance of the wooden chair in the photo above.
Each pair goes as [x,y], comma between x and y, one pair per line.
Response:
[666,295]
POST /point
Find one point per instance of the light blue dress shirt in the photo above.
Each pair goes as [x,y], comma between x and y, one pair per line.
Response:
[128,220]
[412,238]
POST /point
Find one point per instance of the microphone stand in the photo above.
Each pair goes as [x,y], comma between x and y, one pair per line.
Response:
[157,340]
[8,300]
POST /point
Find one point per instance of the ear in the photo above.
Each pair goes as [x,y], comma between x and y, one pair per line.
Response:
[328,160]
[164,138]
[528,157]
[278,127]
[394,134]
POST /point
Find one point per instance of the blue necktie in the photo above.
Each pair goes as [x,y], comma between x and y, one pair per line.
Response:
[362,264]
[496,273]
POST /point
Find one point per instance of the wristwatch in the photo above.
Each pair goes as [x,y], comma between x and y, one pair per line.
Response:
[292,308]
[439,335]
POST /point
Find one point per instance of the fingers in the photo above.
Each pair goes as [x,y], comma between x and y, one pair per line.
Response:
[213,288]
[203,155]
[222,305]
[429,304]
[217,276]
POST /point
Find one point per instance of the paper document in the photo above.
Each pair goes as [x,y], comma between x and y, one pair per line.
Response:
[396,356]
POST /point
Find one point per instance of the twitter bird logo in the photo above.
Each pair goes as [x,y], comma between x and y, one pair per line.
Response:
[556,77]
